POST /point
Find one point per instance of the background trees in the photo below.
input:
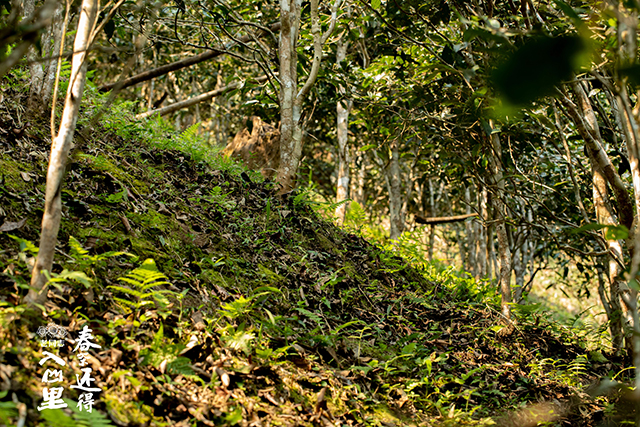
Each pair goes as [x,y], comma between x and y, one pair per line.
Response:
[517,122]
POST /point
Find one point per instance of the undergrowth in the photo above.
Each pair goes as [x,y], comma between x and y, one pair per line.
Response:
[252,307]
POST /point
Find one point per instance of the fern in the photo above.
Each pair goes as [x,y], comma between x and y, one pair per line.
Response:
[88,419]
[180,366]
[190,134]
[77,418]
[141,290]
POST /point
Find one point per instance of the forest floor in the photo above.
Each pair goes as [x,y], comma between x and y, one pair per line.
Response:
[255,311]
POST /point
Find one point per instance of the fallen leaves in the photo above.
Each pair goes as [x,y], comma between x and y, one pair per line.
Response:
[10,226]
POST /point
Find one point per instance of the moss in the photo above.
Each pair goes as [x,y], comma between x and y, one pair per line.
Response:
[11,174]
[151,219]
[103,164]
[272,277]
[143,247]
[349,269]
[325,243]
[127,411]
[383,415]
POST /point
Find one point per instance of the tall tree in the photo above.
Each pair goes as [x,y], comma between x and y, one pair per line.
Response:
[292,98]
[60,152]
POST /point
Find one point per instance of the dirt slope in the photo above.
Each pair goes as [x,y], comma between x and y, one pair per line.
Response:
[268,316]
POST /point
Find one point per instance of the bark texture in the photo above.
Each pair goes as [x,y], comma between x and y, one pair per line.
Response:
[504,253]
[342,126]
[60,152]
[291,100]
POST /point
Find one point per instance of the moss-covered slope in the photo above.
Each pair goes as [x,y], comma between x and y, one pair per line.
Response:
[269,315]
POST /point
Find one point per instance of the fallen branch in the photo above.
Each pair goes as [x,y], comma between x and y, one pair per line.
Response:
[443,219]
[194,100]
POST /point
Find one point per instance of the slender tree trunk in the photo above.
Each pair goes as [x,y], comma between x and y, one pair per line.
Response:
[289,119]
[35,67]
[53,44]
[627,118]
[291,100]
[343,108]
[492,261]
[396,223]
[500,224]
[60,152]
[482,235]
[432,213]
[357,184]
[471,235]
[518,272]
[604,215]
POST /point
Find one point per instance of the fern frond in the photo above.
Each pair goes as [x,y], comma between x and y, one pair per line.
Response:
[88,419]
[190,133]
[142,290]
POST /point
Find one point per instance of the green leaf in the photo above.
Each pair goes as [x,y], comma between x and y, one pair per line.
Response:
[568,10]
[535,69]
[587,227]
[77,276]
[618,232]
[234,417]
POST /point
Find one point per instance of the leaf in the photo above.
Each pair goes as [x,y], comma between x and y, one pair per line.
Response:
[236,416]
[568,10]
[587,227]
[10,226]
[25,245]
[613,232]
[109,29]
[77,276]
[375,4]
[180,365]
[537,67]
[618,232]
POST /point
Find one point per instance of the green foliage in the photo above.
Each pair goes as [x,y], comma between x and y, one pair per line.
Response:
[163,352]
[7,409]
[77,418]
[142,290]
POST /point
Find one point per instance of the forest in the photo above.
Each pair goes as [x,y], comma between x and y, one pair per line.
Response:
[319,213]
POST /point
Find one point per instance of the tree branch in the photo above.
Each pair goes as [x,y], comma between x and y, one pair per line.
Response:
[194,100]
[174,66]
[443,219]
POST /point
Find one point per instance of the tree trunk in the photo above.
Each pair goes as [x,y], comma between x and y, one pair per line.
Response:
[482,235]
[342,111]
[53,44]
[504,275]
[604,215]
[60,152]
[357,186]
[289,119]
[35,67]
[469,226]
[29,30]
[396,220]
[291,100]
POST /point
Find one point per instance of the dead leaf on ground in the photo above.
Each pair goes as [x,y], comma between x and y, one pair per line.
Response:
[10,226]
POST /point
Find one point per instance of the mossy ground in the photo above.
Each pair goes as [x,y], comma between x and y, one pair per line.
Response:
[271,315]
